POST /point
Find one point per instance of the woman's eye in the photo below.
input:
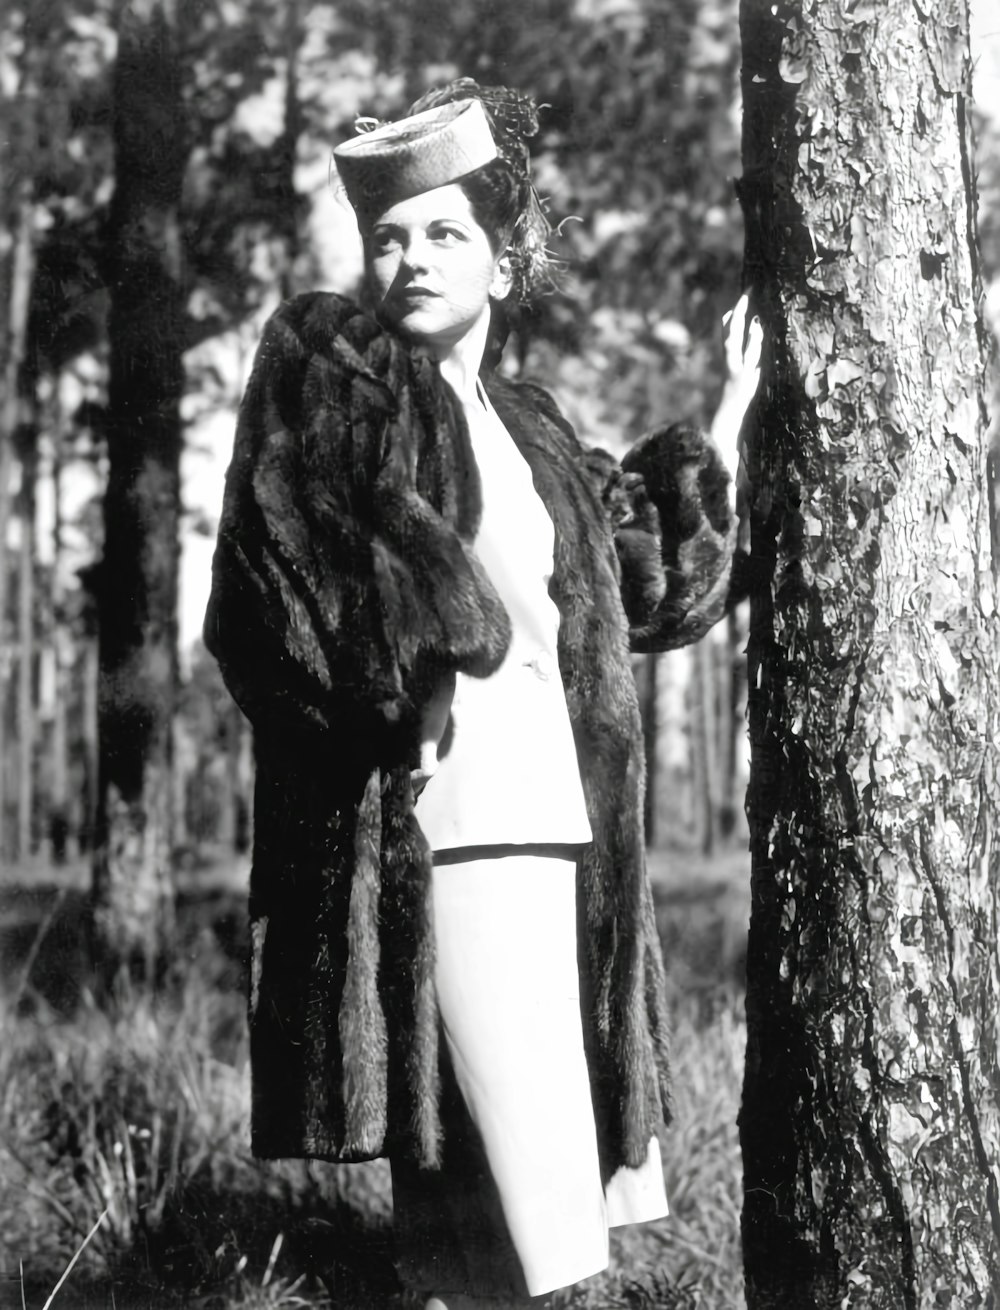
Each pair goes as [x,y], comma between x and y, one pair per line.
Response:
[447,236]
[383,243]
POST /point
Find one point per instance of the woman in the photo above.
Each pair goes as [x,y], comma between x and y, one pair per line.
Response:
[419,599]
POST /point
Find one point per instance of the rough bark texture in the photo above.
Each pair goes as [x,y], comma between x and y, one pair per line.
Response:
[137,589]
[870,1123]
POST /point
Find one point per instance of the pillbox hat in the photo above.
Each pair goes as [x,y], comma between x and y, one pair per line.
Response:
[415,154]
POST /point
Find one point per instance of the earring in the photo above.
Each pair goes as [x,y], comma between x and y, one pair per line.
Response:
[502,281]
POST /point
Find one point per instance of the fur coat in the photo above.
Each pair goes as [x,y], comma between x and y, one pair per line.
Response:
[344,585]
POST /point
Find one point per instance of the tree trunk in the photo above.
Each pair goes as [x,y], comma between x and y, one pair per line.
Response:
[58,806]
[871,1114]
[649,687]
[137,586]
[287,149]
[732,732]
[28,449]
[22,270]
[89,681]
[704,743]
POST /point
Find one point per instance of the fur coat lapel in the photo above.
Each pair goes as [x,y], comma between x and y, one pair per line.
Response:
[621,965]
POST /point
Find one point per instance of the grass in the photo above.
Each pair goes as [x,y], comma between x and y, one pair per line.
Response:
[124,1130]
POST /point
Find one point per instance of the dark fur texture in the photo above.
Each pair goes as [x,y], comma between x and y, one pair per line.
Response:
[343,585]
[685,490]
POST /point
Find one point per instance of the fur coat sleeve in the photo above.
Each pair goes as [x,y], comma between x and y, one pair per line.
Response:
[343,580]
[674,530]
[344,585]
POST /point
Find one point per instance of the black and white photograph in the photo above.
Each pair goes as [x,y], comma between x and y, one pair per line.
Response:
[499,655]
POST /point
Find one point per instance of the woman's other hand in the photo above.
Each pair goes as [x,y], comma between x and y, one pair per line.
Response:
[743,347]
[743,344]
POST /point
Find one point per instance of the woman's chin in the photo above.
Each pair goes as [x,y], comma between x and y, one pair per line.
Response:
[419,322]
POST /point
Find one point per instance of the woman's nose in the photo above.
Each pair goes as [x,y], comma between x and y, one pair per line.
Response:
[415,255]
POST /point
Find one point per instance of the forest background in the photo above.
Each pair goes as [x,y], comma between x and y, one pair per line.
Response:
[637,155]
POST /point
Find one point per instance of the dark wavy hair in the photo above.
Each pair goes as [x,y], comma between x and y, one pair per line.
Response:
[497,197]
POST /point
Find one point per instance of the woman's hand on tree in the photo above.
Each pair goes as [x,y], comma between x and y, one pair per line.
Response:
[744,342]
[743,348]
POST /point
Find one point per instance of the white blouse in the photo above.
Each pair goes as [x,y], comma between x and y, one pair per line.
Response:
[507,770]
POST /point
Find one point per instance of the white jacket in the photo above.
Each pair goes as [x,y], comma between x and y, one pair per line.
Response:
[506,768]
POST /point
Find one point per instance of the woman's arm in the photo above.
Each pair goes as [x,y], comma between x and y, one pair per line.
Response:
[684,532]
[679,539]
[671,505]
[743,344]
[743,347]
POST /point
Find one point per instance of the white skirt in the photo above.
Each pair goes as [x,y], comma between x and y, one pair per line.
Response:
[518,1206]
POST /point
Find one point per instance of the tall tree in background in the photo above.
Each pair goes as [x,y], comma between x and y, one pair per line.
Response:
[19,278]
[17,271]
[26,604]
[871,1115]
[52,165]
[137,592]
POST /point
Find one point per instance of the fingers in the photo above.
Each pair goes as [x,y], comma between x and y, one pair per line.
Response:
[754,344]
[743,342]
[735,319]
[734,333]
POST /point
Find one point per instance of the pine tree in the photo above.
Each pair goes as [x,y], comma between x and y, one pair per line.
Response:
[137,585]
[871,1115]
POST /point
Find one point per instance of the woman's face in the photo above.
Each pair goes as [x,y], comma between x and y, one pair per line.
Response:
[432,267]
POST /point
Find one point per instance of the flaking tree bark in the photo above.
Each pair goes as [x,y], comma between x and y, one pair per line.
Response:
[870,1123]
[138,578]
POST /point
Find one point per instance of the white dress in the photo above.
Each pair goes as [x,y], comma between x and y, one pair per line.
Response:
[518,1206]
